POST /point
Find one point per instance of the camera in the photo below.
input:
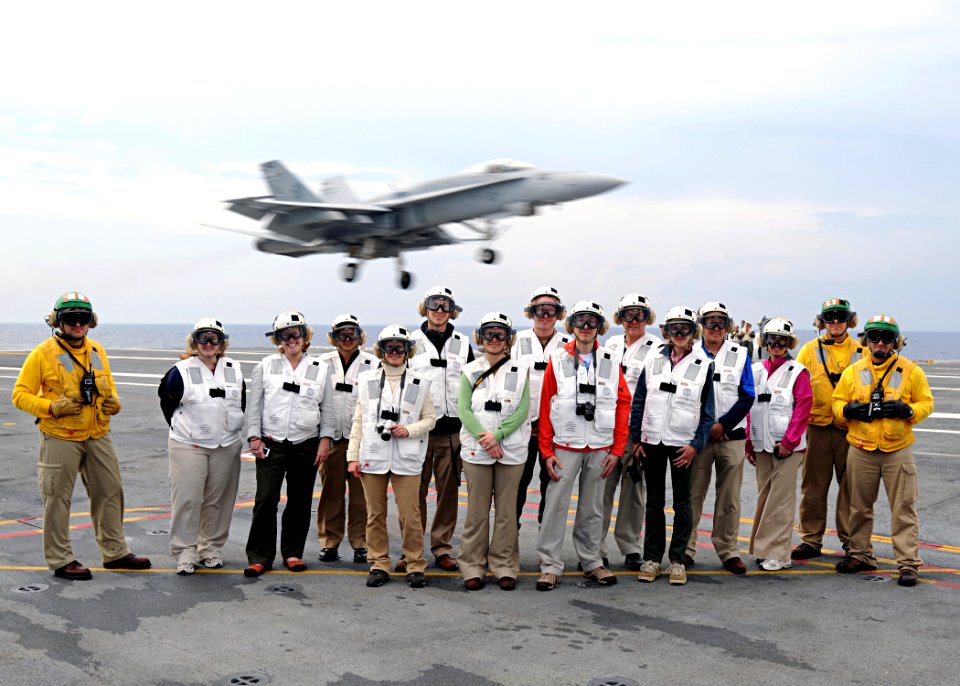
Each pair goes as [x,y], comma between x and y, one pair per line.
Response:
[384,432]
[876,400]
[88,384]
[586,410]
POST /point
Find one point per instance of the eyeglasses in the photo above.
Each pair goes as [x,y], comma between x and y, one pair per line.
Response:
[774,341]
[832,316]
[494,334]
[208,339]
[544,311]
[880,336]
[76,318]
[394,348]
[344,335]
[679,330]
[290,336]
[439,302]
[634,314]
[717,323]
[585,321]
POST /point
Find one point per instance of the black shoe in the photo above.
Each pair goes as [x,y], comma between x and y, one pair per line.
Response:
[851,565]
[688,561]
[633,562]
[416,579]
[359,556]
[377,578]
[329,555]
[804,551]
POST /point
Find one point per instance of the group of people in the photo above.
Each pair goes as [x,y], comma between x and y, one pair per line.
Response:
[422,407]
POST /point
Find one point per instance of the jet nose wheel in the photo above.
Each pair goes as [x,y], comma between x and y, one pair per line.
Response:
[406,280]
[487,255]
[348,272]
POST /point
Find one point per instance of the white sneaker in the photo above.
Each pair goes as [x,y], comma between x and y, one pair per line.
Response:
[678,574]
[775,565]
[184,568]
[649,571]
[212,562]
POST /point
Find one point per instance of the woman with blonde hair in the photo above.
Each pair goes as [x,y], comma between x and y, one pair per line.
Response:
[202,398]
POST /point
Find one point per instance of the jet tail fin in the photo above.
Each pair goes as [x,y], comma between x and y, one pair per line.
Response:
[284,185]
[335,190]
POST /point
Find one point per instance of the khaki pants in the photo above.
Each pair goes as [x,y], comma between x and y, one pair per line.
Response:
[478,552]
[776,506]
[727,458]
[584,469]
[331,511]
[898,471]
[630,510]
[405,489]
[203,491]
[826,454]
[96,462]
[443,451]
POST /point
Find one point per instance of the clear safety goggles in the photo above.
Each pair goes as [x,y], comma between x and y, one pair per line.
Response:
[208,338]
[772,340]
[290,336]
[585,320]
[718,322]
[494,333]
[394,347]
[634,314]
[544,310]
[679,330]
[881,336]
[439,302]
[346,333]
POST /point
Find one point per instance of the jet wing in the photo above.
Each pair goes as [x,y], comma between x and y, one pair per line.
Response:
[401,200]
[258,207]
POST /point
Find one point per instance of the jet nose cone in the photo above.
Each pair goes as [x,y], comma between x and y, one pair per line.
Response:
[598,183]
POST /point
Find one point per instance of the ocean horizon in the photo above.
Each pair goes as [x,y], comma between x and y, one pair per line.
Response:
[921,345]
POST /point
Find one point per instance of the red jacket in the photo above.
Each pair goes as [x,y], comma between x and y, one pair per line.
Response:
[621,427]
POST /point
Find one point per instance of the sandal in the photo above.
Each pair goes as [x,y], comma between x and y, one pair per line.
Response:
[295,564]
[254,570]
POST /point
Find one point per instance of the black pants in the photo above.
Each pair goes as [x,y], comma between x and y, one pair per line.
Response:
[655,531]
[533,458]
[293,462]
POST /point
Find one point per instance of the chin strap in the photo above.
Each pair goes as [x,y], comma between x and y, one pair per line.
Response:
[59,333]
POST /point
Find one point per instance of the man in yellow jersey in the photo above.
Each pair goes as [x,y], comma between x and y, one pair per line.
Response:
[882,397]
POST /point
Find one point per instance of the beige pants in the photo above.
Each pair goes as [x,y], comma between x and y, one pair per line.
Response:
[478,552]
[726,457]
[405,489]
[203,492]
[440,464]
[826,454]
[898,471]
[776,506]
[332,514]
[630,509]
[57,467]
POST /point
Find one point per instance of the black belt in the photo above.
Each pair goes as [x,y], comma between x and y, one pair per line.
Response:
[588,388]
[438,363]
[668,387]
[345,387]
[540,366]
[218,393]
[763,398]
[492,406]
[292,387]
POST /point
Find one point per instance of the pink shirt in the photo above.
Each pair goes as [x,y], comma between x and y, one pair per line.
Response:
[802,402]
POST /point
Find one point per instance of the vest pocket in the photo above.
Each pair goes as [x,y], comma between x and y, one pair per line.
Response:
[686,414]
[893,430]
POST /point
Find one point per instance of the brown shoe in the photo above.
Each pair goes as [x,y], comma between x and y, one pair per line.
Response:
[547,582]
[507,583]
[473,584]
[804,551]
[128,561]
[73,571]
[851,565]
[735,565]
[447,563]
[401,566]
[602,575]
[908,577]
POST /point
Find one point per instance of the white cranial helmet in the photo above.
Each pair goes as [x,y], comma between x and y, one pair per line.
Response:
[780,326]
[634,300]
[209,324]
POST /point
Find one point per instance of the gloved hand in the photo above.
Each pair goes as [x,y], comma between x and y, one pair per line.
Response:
[858,411]
[65,407]
[890,409]
[111,405]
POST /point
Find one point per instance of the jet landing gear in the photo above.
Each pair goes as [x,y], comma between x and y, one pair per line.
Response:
[404,278]
[487,255]
[349,272]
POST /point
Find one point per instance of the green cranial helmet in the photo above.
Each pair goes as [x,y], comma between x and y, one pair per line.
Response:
[882,322]
[73,301]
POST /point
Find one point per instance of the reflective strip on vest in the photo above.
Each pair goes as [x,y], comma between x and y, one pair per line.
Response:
[525,346]
[510,384]
[896,378]
[95,361]
[230,374]
[866,377]
[312,371]
[196,376]
[455,345]
[66,362]
[276,367]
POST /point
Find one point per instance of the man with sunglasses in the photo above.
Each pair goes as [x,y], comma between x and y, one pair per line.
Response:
[584,411]
[825,358]
[532,349]
[883,397]
[440,354]
[670,420]
[346,362]
[66,383]
[633,347]
[733,395]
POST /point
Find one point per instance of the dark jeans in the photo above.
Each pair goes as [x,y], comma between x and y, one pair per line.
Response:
[655,474]
[293,462]
[533,457]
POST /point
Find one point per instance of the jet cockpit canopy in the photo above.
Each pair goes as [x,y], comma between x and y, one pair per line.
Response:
[498,166]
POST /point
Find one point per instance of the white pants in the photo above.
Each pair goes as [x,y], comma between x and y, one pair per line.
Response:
[573,467]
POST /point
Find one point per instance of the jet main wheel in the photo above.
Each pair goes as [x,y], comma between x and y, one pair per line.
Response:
[406,280]
[487,255]
[348,272]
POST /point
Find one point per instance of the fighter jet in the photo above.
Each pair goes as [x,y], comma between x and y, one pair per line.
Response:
[296,222]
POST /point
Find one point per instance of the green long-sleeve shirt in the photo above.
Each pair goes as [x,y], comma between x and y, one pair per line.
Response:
[472,424]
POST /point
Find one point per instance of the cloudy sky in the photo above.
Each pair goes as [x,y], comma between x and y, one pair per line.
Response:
[778,154]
